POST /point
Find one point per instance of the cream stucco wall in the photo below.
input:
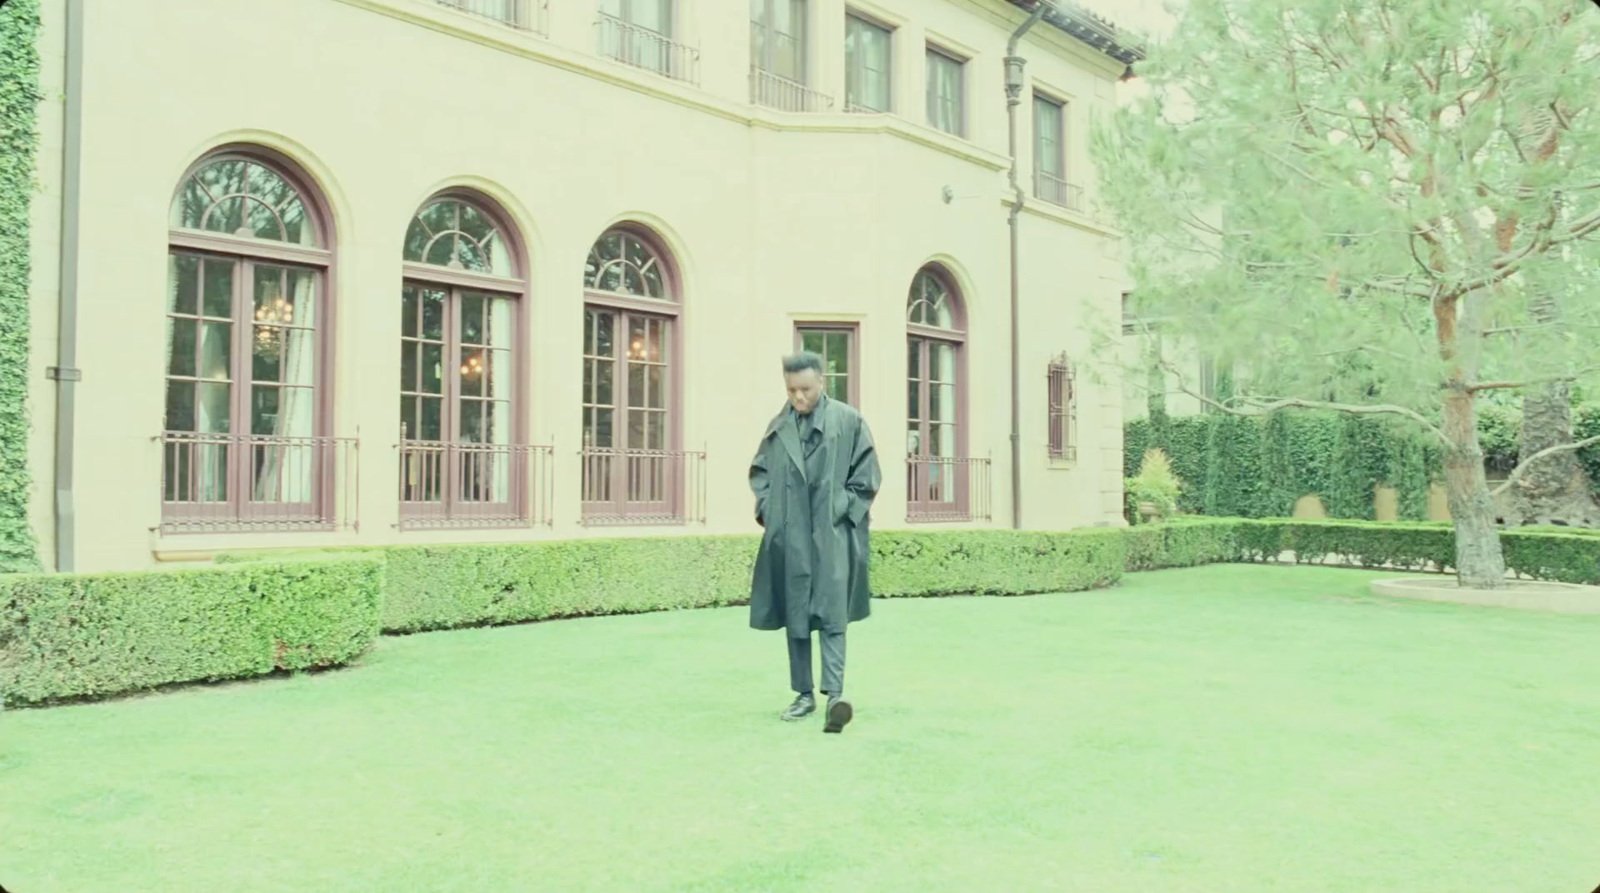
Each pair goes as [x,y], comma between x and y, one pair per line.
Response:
[771,217]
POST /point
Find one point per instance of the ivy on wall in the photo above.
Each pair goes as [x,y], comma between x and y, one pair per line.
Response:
[1258,467]
[19,103]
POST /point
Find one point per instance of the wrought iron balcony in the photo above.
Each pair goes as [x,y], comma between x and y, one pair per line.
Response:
[947,489]
[474,485]
[221,483]
[778,92]
[643,487]
[643,48]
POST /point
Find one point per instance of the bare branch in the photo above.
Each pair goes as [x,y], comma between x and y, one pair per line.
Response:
[1522,467]
[1526,383]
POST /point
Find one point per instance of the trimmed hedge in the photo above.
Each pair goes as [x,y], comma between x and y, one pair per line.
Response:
[444,587]
[82,635]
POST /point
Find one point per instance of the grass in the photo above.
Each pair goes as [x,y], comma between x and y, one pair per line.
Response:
[1226,729]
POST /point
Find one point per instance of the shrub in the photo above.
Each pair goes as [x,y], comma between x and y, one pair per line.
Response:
[75,635]
[1184,543]
[1155,484]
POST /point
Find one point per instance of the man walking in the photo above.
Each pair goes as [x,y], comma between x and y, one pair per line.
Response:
[814,478]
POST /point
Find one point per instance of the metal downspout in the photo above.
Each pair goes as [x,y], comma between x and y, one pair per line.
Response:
[1014,66]
[66,373]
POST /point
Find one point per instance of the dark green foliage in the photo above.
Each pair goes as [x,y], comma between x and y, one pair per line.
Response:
[1000,562]
[1234,473]
[1586,424]
[1185,543]
[19,102]
[84,635]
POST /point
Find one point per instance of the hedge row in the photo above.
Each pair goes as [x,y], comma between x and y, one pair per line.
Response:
[64,636]
[83,635]
[443,587]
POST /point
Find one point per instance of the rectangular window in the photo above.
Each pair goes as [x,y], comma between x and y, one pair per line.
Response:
[1049,153]
[946,92]
[1063,410]
[836,344]
[867,53]
[460,463]
[242,446]
[630,471]
[778,38]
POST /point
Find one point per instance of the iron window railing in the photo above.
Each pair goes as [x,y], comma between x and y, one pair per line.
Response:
[778,92]
[224,483]
[644,48]
[948,489]
[524,15]
[643,487]
[473,485]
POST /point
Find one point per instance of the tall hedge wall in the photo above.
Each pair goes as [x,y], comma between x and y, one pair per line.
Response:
[1258,467]
[19,103]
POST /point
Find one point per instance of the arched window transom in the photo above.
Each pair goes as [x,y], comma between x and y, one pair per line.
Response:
[930,302]
[453,233]
[621,263]
[244,198]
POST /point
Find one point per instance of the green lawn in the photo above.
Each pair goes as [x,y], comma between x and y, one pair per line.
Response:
[1227,730]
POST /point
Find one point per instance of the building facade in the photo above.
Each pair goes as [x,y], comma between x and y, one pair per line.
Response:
[340,272]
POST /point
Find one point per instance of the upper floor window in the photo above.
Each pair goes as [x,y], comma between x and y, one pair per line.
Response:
[867,53]
[778,38]
[946,92]
[463,461]
[1050,154]
[642,33]
[836,344]
[633,468]
[245,440]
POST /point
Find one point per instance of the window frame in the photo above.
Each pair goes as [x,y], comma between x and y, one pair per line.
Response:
[890,33]
[921,338]
[935,51]
[1041,97]
[451,510]
[1062,409]
[850,330]
[669,310]
[765,65]
[243,513]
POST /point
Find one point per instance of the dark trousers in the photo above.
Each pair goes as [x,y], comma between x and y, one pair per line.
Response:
[832,663]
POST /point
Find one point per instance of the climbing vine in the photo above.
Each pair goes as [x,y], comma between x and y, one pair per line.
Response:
[19,103]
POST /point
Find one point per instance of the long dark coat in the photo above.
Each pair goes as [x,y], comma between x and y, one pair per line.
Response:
[813,501]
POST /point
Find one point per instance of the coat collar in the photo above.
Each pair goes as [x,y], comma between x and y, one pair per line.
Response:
[783,426]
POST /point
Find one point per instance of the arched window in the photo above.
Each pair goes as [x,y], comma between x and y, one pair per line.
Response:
[936,415]
[632,469]
[245,442]
[462,451]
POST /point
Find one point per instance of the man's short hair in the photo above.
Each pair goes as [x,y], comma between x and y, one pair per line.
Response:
[802,361]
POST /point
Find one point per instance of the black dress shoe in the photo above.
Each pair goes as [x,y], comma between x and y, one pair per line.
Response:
[803,706]
[839,715]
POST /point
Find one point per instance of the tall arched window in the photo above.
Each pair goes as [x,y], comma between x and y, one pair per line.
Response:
[633,471]
[245,442]
[938,487]
[463,459]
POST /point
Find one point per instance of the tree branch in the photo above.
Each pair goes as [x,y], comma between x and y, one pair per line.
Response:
[1522,467]
[1548,379]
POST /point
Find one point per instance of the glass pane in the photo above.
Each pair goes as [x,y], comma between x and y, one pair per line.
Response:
[471,421]
[408,367]
[472,373]
[839,388]
[656,437]
[945,441]
[500,375]
[180,406]
[913,400]
[432,369]
[301,295]
[913,439]
[216,350]
[635,384]
[416,241]
[942,402]
[636,431]
[658,341]
[433,314]
[654,383]
[297,228]
[218,292]
[500,316]
[264,411]
[914,358]
[183,276]
[605,382]
[812,341]
[262,221]
[472,319]
[432,418]
[227,216]
[408,311]
[944,362]
[300,357]
[183,337]
[597,427]
[839,352]
[636,338]
[215,408]
[266,353]
[500,422]
[605,335]
[408,418]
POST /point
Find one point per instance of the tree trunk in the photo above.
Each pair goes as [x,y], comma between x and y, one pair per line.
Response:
[1554,490]
[1480,563]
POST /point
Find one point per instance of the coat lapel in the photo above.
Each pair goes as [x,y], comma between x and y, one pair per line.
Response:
[783,427]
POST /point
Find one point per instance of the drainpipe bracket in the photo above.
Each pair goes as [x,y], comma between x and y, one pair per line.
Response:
[59,373]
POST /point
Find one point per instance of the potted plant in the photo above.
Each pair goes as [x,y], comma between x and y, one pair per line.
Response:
[1154,491]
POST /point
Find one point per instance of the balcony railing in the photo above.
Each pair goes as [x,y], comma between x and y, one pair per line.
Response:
[220,483]
[778,92]
[473,485]
[524,15]
[1056,191]
[947,490]
[643,487]
[651,50]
